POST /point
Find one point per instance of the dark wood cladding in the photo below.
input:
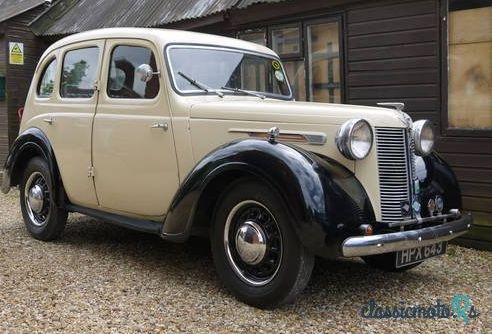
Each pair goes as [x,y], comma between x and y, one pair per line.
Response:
[18,77]
[393,53]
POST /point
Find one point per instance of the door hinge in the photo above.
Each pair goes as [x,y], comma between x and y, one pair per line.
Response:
[91,172]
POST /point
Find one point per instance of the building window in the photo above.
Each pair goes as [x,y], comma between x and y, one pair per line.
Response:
[47,82]
[286,41]
[258,37]
[323,52]
[123,82]
[470,67]
[310,52]
[79,73]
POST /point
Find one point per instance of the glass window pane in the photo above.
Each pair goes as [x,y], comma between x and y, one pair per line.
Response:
[258,37]
[46,84]
[226,68]
[324,62]
[470,68]
[297,78]
[123,82]
[286,41]
[79,73]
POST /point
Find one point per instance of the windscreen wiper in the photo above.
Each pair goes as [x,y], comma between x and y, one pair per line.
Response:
[200,85]
[239,90]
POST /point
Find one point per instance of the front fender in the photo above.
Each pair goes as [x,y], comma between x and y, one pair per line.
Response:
[325,200]
[437,178]
[32,142]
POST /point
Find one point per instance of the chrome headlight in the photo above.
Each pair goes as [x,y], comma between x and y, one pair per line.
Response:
[423,137]
[354,139]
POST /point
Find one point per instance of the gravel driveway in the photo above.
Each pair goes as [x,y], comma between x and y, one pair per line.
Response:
[102,278]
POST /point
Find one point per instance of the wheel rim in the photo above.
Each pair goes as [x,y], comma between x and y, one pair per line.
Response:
[37,199]
[253,243]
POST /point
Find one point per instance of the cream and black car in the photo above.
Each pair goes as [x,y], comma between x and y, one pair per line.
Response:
[179,133]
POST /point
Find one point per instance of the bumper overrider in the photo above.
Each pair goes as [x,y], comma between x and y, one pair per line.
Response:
[397,241]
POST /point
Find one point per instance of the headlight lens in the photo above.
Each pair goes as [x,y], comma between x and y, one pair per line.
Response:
[423,137]
[354,139]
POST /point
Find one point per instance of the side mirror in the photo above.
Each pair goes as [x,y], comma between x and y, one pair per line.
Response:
[145,72]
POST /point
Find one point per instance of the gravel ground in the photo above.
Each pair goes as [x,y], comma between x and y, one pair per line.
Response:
[102,278]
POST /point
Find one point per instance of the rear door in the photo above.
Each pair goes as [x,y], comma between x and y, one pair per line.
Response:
[66,115]
[133,147]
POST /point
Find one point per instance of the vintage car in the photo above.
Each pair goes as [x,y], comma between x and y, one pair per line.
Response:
[179,133]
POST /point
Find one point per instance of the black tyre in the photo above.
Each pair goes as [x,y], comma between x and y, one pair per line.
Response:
[258,255]
[43,219]
[387,262]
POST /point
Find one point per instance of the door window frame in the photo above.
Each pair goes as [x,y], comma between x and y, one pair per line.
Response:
[100,44]
[114,43]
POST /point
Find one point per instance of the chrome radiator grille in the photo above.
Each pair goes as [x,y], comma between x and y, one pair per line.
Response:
[393,165]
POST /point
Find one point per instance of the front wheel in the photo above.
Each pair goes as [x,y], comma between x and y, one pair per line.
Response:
[43,218]
[257,253]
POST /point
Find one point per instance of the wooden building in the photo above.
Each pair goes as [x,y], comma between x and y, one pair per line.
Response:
[433,55]
[16,69]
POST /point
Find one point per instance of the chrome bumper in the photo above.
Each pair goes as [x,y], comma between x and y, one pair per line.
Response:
[392,242]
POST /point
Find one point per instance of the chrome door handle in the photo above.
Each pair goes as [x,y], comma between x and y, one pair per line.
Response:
[50,120]
[163,126]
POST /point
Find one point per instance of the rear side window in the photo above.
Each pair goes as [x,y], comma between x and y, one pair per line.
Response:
[79,73]
[123,81]
[47,81]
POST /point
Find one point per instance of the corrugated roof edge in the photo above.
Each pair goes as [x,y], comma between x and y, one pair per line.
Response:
[33,25]
[39,30]
[34,5]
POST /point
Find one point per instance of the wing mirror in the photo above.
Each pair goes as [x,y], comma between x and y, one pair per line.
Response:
[145,72]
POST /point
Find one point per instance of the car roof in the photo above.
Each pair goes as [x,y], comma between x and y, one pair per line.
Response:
[162,37]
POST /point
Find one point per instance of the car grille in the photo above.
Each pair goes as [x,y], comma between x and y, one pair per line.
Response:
[393,163]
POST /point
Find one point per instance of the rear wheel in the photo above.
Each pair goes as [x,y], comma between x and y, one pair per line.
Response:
[256,252]
[43,219]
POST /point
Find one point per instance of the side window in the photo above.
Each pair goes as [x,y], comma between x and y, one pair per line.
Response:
[123,82]
[79,73]
[47,81]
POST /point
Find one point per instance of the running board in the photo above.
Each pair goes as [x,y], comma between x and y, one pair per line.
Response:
[141,225]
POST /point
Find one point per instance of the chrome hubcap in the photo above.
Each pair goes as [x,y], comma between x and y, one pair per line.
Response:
[37,199]
[253,243]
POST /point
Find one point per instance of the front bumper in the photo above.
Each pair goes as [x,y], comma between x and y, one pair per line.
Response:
[392,242]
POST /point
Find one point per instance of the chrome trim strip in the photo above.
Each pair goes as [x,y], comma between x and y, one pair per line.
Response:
[397,241]
[451,215]
[312,138]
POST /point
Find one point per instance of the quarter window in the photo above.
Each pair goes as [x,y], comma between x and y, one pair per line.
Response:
[79,73]
[123,82]
[46,84]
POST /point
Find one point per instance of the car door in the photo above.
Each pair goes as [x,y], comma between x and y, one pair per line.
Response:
[135,168]
[66,115]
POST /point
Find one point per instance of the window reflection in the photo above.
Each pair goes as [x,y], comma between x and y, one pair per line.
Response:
[79,73]
[324,62]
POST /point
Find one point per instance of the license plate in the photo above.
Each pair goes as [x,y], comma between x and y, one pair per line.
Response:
[414,255]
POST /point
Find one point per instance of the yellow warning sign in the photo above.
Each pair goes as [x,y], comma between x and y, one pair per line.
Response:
[16,53]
